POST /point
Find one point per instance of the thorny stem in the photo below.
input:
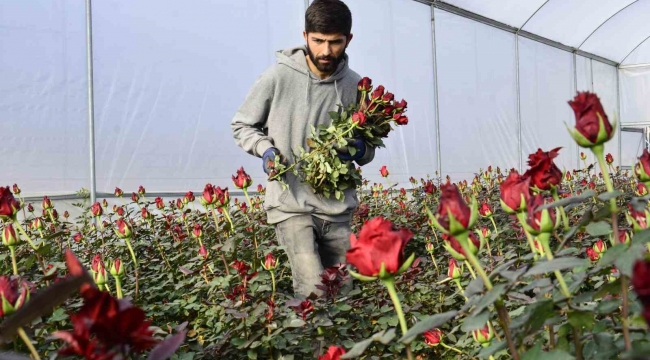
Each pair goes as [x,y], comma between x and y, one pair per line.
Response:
[473,261]
[27,237]
[390,286]
[522,220]
[435,263]
[496,231]
[551,337]
[565,219]
[12,249]
[544,238]
[216,222]
[29,344]
[503,316]
[450,347]
[599,152]
[469,267]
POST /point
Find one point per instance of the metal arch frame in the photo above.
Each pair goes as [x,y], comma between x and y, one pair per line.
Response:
[603,23]
[636,47]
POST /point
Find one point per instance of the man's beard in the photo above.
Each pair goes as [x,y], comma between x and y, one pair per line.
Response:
[326,68]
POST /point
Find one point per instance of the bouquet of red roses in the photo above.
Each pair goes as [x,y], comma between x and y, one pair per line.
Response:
[370,119]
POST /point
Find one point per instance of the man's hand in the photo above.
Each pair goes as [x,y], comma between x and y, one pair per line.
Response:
[358,144]
[268,159]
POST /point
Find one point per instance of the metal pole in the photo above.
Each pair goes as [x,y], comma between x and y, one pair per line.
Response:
[575,90]
[435,90]
[91,100]
[519,127]
[618,116]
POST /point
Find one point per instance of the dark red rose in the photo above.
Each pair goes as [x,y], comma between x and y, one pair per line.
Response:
[641,281]
[160,204]
[589,111]
[543,172]
[513,188]
[13,294]
[429,187]
[378,242]
[96,209]
[141,190]
[642,168]
[364,84]
[432,337]
[485,210]
[400,119]
[377,93]
[400,105]
[534,219]
[242,180]
[8,204]
[333,353]
[451,202]
[359,117]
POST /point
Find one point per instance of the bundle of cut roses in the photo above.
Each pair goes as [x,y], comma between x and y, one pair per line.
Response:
[328,165]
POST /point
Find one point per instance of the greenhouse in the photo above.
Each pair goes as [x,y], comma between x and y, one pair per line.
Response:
[142,162]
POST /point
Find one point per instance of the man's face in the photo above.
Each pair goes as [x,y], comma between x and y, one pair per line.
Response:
[326,51]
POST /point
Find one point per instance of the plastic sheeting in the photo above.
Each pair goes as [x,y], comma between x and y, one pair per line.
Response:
[43,109]
[478,96]
[635,86]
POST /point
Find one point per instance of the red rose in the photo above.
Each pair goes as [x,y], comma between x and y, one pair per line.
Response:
[159,203]
[593,255]
[242,180]
[383,171]
[141,190]
[203,252]
[451,202]
[359,117]
[641,281]
[609,159]
[485,210]
[513,189]
[8,203]
[387,97]
[96,209]
[432,337]
[589,114]
[540,220]
[400,105]
[222,198]
[400,119]
[429,188]
[208,194]
[642,168]
[543,173]
[118,192]
[47,203]
[378,242]
[333,353]
[16,189]
[377,93]
[456,251]
[13,294]
[365,84]
[270,262]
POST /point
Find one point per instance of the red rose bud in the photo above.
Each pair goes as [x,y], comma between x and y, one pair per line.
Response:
[222,197]
[197,232]
[13,294]
[77,237]
[592,185]
[400,119]
[261,189]
[203,252]
[641,189]
[641,282]
[592,126]
[485,232]
[642,168]
[30,208]
[543,172]
[16,189]
[613,275]
[600,247]
[66,214]
[242,180]
[141,190]
[99,271]
[583,156]
[432,337]
[47,203]
[180,204]
[429,247]
[146,215]
[485,210]
[609,159]
[120,211]
[429,188]
[208,195]
[515,192]
[638,219]
[117,268]
[377,93]
[454,216]
[37,224]
[334,352]
[9,237]
[160,204]
[400,106]
[270,262]
[456,251]
[454,271]
[387,97]
[135,197]
[484,335]
[540,221]
[189,197]
[114,208]
[9,206]
[359,118]
[379,250]
[383,171]
[592,254]
[123,229]
[96,209]
[118,192]
[623,236]
[365,84]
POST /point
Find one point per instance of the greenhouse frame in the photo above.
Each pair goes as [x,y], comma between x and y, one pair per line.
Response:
[126,93]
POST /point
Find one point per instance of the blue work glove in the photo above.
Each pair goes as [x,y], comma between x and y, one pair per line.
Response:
[358,144]
[268,159]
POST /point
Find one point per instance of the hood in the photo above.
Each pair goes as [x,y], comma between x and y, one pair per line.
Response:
[294,58]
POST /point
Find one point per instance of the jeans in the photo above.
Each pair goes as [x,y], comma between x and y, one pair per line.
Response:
[313,244]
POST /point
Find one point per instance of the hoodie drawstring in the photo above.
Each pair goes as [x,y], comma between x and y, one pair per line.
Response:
[338,96]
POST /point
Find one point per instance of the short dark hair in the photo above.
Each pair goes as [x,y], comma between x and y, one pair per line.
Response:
[328,17]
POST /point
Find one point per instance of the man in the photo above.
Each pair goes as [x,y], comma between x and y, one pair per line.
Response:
[287,99]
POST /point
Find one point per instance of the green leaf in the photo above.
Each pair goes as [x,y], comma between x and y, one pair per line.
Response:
[570,200]
[599,228]
[581,319]
[492,349]
[612,254]
[334,115]
[357,350]
[534,353]
[610,195]
[490,297]
[626,260]
[475,322]
[641,237]
[556,264]
[427,323]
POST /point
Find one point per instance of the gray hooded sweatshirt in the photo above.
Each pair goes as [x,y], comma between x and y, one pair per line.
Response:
[278,111]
